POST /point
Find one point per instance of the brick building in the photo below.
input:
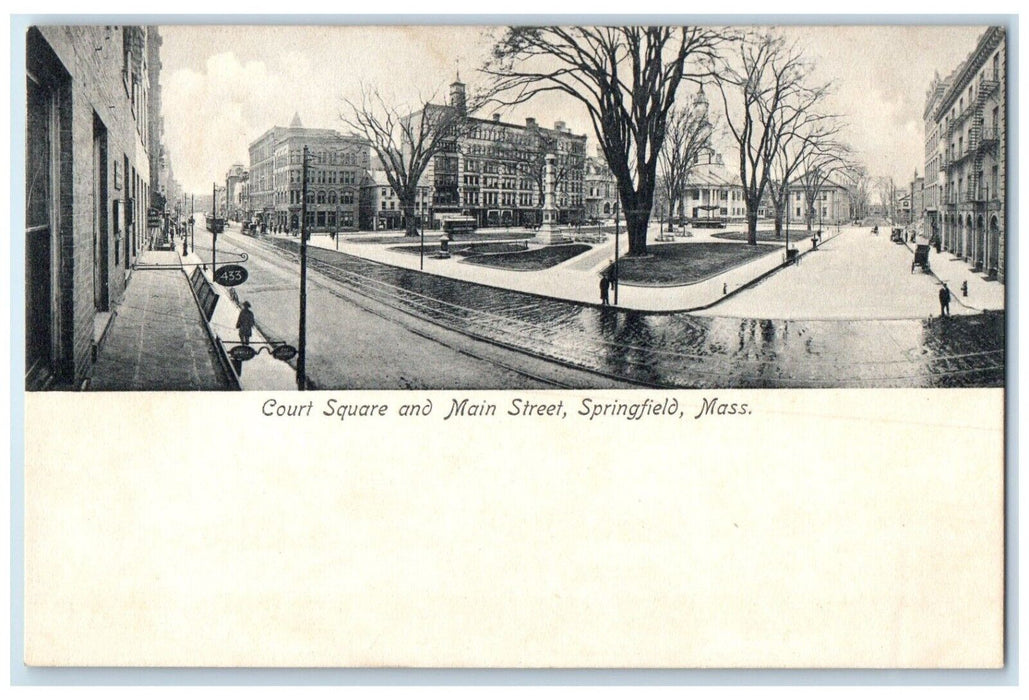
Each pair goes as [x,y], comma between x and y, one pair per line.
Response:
[337,165]
[90,139]
[968,113]
[494,170]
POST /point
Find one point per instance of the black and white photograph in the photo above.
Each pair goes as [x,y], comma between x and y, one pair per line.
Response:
[292,207]
[446,342]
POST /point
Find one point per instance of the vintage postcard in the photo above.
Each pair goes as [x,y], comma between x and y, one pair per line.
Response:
[515,346]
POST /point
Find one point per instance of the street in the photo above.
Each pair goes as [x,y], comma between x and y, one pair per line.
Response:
[351,345]
[355,342]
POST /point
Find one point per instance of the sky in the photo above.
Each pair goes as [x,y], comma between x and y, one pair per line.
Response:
[224,86]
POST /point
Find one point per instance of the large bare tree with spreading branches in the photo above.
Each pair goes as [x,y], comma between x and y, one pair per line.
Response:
[767,92]
[811,142]
[627,78]
[687,136]
[407,139]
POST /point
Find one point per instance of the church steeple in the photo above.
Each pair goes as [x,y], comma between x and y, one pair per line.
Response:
[296,123]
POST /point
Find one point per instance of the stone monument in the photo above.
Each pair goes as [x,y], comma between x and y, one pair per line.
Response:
[549,232]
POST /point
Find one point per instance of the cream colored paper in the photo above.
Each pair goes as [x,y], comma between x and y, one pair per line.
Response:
[828,529]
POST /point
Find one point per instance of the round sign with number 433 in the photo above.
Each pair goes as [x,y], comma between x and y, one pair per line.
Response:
[231,275]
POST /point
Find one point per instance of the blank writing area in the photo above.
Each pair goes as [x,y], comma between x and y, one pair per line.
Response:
[825,529]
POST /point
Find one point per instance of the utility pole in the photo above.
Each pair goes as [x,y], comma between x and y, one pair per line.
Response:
[616,251]
[192,223]
[213,226]
[302,342]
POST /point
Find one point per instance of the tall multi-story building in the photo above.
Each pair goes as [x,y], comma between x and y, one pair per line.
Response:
[336,167]
[917,198]
[91,135]
[494,170]
[935,172]
[970,119]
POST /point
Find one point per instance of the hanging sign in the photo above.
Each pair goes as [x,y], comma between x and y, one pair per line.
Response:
[231,275]
[242,353]
[284,352]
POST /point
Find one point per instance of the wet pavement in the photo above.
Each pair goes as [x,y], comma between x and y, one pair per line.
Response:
[686,350]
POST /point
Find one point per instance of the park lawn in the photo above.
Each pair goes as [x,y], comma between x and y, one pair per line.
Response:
[432,236]
[686,263]
[796,234]
[463,249]
[535,259]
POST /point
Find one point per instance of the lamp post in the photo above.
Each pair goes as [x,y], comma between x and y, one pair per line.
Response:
[302,342]
[213,227]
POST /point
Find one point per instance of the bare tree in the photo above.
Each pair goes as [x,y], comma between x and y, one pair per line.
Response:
[766,94]
[406,141]
[820,168]
[687,135]
[813,134]
[860,190]
[626,77]
[531,162]
[887,190]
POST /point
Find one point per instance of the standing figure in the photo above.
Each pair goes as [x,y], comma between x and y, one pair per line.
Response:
[245,323]
[944,300]
[605,284]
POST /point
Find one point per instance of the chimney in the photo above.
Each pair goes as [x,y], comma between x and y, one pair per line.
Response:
[559,126]
[496,116]
[530,122]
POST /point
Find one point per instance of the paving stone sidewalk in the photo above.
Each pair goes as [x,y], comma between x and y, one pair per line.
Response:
[157,340]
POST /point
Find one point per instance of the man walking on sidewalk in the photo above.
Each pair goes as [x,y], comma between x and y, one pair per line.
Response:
[944,300]
[245,323]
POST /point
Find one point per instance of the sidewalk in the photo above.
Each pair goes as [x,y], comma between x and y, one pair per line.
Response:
[574,280]
[982,293]
[261,373]
[157,340]
[856,276]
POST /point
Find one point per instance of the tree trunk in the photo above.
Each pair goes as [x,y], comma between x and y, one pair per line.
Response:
[810,217]
[778,223]
[751,224]
[410,219]
[636,227]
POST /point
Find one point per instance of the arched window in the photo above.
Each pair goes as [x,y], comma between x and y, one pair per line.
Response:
[332,197]
[310,197]
[321,197]
[346,198]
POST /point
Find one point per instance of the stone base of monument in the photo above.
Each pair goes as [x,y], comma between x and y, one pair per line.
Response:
[551,235]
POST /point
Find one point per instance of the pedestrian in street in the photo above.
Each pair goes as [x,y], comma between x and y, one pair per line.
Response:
[245,323]
[613,273]
[605,284]
[944,300]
